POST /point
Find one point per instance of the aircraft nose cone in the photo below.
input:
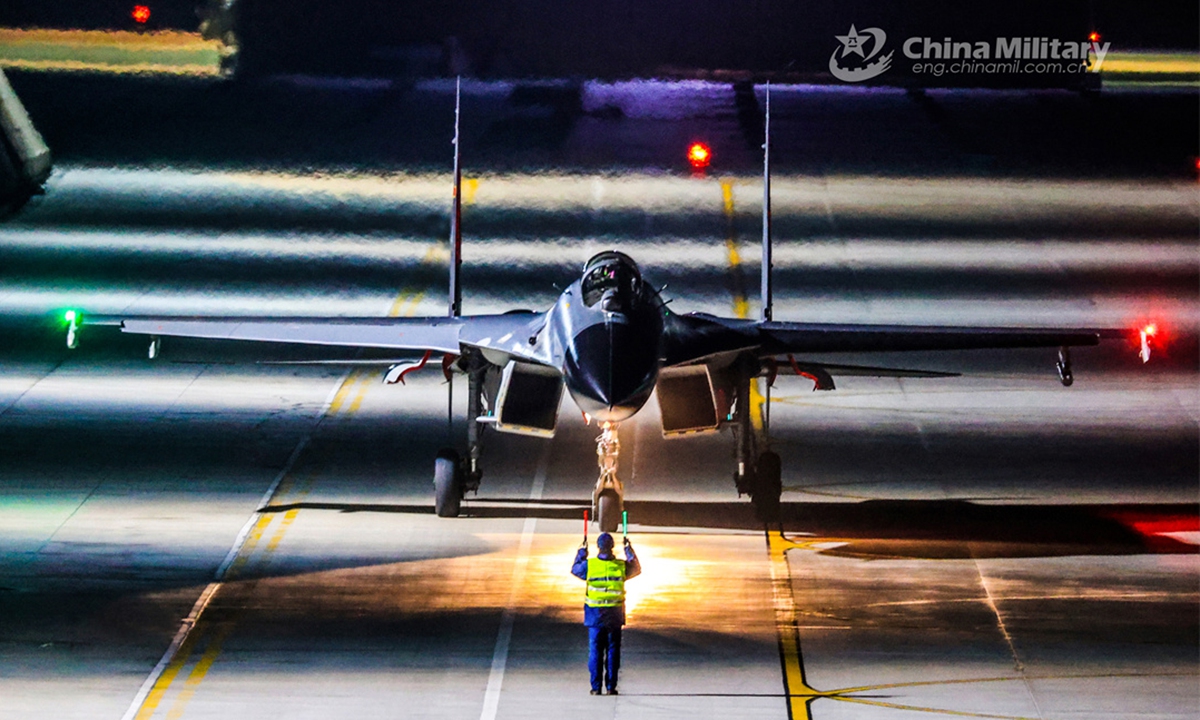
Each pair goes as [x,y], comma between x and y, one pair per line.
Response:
[611,371]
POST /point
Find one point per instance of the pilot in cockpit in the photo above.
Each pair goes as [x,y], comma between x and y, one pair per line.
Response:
[611,279]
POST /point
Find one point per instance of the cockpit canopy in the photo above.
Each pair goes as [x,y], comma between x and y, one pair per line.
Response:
[612,275]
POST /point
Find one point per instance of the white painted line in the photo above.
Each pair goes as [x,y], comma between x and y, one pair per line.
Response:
[189,623]
[491,697]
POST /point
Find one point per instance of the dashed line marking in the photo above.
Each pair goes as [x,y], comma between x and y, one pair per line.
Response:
[157,685]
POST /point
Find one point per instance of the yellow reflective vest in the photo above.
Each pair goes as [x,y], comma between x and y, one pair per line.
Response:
[605,583]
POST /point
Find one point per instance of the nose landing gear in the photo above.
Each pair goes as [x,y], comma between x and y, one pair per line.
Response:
[608,499]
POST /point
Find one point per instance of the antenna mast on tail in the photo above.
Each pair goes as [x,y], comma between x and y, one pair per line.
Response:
[456,217]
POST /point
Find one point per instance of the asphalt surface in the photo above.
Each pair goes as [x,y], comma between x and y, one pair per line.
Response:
[991,545]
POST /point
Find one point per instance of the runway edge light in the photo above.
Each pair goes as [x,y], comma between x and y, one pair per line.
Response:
[699,155]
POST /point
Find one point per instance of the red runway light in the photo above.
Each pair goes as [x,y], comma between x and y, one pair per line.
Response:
[1094,37]
[699,155]
[141,14]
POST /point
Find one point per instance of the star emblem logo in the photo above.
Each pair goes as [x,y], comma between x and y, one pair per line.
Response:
[869,64]
[852,42]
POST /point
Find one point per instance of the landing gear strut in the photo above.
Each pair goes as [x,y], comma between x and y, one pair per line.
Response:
[452,476]
[608,499]
[757,475]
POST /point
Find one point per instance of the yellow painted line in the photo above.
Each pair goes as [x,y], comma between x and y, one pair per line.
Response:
[252,540]
[245,555]
[199,671]
[727,198]
[358,399]
[288,518]
[144,707]
[409,299]
[113,68]
[935,711]
[471,186]
[741,305]
[340,397]
[1171,63]
[799,693]
[171,39]
[155,697]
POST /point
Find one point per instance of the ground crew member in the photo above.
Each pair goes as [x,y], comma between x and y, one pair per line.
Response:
[604,607]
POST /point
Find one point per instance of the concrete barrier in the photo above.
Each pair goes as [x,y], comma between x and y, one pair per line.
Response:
[25,160]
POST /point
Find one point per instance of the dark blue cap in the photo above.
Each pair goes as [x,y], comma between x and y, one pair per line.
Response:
[604,542]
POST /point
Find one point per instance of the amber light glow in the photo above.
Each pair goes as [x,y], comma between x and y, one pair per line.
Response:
[141,14]
[699,155]
[1094,37]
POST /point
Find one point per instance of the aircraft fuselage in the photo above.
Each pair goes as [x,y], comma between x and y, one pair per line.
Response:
[607,327]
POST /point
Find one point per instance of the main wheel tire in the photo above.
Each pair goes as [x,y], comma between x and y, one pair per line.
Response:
[608,511]
[768,487]
[447,483]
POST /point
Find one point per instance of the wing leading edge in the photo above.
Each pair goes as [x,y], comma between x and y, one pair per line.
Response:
[437,334]
[692,338]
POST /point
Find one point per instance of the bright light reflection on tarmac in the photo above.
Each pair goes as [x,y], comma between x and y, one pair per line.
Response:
[1015,255]
[926,197]
[165,213]
[663,576]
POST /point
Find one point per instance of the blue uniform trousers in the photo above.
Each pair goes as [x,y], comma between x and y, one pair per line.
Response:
[604,653]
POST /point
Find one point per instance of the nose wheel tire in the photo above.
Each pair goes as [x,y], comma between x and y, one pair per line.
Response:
[447,483]
[768,487]
[608,511]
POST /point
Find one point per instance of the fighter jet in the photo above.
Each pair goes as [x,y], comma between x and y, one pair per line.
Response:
[611,341]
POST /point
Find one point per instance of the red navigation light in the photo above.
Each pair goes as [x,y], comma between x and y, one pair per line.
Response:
[699,155]
[141,14]
[1094,36]
[1150,335]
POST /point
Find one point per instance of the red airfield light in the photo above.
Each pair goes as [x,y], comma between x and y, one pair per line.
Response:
[141,14]
[699,156]
[1094,36]
[1150,335]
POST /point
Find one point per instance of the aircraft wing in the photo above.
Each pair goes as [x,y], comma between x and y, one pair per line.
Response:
[437,334]
[780,337]
[694,337]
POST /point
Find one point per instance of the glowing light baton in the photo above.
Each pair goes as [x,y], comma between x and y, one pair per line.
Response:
[585,524]
[625,523]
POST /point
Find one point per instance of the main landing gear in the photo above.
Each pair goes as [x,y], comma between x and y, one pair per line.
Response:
[759,475]
[452,477]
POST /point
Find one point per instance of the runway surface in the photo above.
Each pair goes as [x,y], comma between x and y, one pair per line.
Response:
[993,545]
